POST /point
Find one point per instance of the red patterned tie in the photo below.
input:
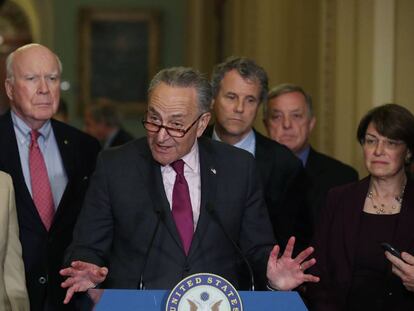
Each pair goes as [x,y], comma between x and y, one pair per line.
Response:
[41,191]
[181,206]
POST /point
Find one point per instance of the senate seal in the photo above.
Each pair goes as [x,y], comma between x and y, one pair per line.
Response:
[204,291]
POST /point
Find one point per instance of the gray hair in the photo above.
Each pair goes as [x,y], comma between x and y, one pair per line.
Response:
[247,68]
[286,88]
[106,113]
[10,60]
[185,77]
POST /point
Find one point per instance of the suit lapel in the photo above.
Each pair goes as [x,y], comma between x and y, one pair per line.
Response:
[208,175]
[208,185]
[313,165]
[67,151]
[10,153]
[352,210]
[262,157]
[404,227]
[352,219]
[10,162]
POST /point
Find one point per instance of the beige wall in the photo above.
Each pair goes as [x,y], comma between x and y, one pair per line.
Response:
[350,55]
[404,53]
[282,36]
[352,75]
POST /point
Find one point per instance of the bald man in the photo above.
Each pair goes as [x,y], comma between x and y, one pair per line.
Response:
[50,163]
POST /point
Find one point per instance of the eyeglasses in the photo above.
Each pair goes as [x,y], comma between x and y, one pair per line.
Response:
[173,132]
[389,144]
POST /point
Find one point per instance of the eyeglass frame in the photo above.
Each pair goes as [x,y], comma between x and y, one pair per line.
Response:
[167,128]
[389,144]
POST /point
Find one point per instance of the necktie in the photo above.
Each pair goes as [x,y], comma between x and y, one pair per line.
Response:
[181,206]
[41,191]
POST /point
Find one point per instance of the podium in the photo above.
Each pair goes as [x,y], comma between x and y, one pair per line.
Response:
[155,300]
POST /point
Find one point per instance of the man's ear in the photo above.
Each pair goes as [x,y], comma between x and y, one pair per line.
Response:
[9,88]
[203,123]
[312,124]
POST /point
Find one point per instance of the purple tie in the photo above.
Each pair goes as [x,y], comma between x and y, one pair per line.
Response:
[181,206]
[41,191]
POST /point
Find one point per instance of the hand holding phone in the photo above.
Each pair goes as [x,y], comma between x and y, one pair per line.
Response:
[393,251]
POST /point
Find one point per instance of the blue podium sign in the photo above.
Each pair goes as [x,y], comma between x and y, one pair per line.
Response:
[155,300]
[204,291]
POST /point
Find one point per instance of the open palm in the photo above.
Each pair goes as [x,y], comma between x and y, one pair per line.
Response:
[287,273]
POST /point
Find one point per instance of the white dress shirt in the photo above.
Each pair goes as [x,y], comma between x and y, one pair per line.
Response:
[192,175]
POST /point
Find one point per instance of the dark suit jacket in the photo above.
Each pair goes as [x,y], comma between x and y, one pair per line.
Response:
[43,251]
[118,219]
[282,177]
[336,240]
[324,173]
[121,138]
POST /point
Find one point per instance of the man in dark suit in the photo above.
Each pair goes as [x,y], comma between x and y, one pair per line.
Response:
[172,204]
[239,86]
[103,121]
[67,158]
[289,119]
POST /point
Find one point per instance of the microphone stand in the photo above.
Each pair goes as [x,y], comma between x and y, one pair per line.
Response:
[213,214]
[159,214]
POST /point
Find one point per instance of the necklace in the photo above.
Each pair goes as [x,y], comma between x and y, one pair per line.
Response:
[381,208]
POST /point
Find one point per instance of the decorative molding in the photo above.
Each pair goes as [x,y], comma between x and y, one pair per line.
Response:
[326,110]
[383,52]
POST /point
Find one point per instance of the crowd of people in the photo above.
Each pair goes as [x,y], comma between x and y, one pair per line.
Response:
[102,209]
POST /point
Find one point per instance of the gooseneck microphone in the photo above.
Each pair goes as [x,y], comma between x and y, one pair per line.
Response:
[213,214]
[160,216]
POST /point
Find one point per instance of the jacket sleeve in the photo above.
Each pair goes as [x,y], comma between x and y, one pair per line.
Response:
[14,277]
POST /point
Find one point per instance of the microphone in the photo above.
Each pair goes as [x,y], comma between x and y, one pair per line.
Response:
[160,216]
[213,214]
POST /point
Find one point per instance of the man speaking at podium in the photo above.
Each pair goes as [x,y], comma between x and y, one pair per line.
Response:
[173,204]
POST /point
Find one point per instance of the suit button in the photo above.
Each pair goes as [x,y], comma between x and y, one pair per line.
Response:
[186,268]
[42,280]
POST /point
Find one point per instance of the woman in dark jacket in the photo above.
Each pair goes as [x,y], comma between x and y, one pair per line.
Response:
[356,273]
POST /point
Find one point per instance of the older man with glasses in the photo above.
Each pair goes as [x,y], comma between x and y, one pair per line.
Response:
[172,204]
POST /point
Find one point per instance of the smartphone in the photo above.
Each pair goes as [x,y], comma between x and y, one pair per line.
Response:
[391,250]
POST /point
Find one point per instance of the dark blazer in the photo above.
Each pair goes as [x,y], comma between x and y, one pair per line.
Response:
[282,177]
[118,219]
[336,240]
[324,173]
[121,138]
[43,251]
